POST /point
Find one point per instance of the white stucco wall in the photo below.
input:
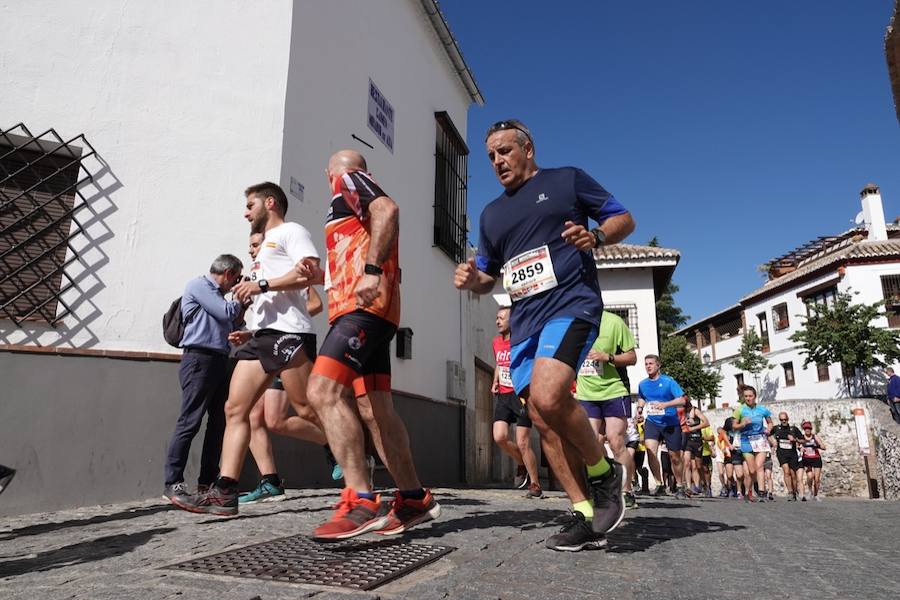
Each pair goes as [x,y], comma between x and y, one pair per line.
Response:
[634,286]
[184,102]
[331,61]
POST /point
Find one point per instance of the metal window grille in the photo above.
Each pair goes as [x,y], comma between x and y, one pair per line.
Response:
[824,298]
[628,312]
[890,288]
[780,320]
[450,186]
[788,374]
[40,177]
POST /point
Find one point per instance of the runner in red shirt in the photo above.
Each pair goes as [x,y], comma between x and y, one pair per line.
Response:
[362,277]
[508,409]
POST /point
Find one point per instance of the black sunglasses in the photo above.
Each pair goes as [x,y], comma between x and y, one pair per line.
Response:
[504,125]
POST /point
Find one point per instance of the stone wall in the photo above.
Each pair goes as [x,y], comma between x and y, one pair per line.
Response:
[843,470]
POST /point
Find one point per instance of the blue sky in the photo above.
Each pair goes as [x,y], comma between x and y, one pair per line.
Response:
[733,131]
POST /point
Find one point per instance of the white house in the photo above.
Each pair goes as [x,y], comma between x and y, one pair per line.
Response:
[864,260]
[129,133]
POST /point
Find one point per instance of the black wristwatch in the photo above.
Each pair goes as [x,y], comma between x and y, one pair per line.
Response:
[371,269]
[599,237]
[263,285]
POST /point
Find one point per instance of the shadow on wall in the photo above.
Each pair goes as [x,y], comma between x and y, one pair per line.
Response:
[91,215]
[768,391]
[864,384]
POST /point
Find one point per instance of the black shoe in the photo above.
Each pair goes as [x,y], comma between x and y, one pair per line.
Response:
[176,489]
[575,535]
[216,501]
[606,492]
[630,500]
[6,475]
[659,491]
[522,479]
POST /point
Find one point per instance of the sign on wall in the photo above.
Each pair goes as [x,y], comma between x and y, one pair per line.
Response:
[381,116]
[862,430]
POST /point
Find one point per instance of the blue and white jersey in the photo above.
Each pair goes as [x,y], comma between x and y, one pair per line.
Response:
[661,389]
[521,238]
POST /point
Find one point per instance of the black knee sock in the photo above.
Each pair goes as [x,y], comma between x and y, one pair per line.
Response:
[273,479]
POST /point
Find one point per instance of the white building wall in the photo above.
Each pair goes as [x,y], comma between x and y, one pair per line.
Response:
[184,102]
[331,61]
[634,286]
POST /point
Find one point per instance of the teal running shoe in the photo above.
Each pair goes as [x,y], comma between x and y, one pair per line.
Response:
[264,492]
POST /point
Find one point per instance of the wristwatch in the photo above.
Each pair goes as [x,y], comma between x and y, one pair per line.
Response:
[263,285]
[371,269]
[599,237]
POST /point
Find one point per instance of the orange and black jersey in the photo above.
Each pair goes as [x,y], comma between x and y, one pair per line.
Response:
[347,238]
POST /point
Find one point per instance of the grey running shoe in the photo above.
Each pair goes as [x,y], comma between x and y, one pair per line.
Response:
[216,501]
[534,491]
[522,478]
[630,501]
[6,475]
[575,535]
[659,491]
[175,489]
[679,494]
[606,492]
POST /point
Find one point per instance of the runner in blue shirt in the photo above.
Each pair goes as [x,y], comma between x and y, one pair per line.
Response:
[535,235]
[754,441]
[661,397]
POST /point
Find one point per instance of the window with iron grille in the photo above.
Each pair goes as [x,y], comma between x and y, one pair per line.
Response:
[628,313]
[729,328]
[823,298]
[890,288]
[39,180]
[451,159]
[780,320]
[822,372]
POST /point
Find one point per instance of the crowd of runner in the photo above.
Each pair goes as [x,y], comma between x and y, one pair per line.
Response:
[561,362]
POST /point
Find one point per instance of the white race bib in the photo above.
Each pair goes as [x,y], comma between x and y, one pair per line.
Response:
[256,271]
[785,444]
[759,443]
[654,409]
[529,273]
[589,369]
[504,377]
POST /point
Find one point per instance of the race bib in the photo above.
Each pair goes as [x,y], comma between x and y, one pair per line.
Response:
[654,409]
[589,369]
[785,444]
[504,377]
[759,443]
[529,273]
[256,271]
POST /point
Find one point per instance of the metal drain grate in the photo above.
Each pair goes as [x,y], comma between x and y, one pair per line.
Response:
[298,559]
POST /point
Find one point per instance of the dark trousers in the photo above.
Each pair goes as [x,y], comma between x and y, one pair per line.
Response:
[204,381]
[895,410]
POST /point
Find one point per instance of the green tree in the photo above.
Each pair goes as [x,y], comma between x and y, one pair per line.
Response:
[843,333]
[750,357]
[668,316]
[685,367]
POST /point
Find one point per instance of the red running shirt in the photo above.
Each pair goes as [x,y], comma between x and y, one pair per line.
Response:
[501,358]
[347,237]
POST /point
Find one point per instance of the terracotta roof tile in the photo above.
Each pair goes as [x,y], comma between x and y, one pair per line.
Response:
[625,252]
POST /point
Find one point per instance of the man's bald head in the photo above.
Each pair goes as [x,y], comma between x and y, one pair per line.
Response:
[344,161]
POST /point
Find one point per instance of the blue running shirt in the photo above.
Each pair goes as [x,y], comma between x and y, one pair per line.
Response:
[661,389]
[533,216]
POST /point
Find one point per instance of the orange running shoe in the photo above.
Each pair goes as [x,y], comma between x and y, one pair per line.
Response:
[406,513]
[352,516]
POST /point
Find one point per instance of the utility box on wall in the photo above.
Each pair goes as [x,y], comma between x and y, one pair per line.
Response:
[404,343]
[456,381]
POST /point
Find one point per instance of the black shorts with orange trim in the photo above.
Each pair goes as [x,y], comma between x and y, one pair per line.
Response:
[357,353]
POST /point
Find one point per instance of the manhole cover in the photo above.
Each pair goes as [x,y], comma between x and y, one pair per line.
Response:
[298,559]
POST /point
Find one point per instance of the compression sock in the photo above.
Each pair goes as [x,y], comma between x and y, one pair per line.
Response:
[418,494]
[584,507]
[600,469]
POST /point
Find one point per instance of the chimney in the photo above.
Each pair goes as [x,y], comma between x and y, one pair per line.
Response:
[873,212]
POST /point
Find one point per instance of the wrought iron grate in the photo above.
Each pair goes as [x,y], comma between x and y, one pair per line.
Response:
[40,177]
[354,564]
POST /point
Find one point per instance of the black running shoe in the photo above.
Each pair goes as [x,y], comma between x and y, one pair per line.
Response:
[216,501]
[606,492]
[6,475]
[522,478]
[659,491]
[630,500]
[575,535]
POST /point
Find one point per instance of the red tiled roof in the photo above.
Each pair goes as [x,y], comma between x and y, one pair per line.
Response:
[627,252]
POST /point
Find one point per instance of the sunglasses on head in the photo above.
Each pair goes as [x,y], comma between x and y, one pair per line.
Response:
[504,125]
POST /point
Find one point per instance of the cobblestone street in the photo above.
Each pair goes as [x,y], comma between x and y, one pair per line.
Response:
[679,549]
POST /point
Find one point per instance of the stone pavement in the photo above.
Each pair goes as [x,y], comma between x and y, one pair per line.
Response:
[671,549]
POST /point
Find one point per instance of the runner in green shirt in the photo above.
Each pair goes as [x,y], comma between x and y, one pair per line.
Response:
[602,388]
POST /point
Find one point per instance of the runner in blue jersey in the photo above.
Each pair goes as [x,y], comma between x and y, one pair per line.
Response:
[535,235]
[661,397]
[754,423]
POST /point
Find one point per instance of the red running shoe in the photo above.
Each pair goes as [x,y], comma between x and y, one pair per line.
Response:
[406,513]
[352,516]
